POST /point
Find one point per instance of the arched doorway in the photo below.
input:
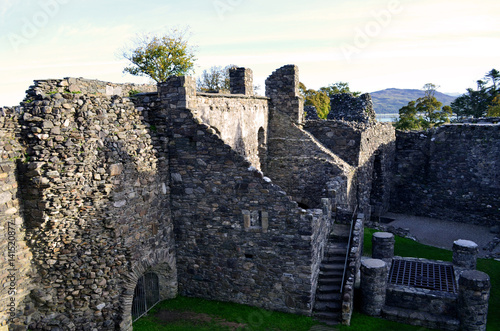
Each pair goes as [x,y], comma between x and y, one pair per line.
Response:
[146,295]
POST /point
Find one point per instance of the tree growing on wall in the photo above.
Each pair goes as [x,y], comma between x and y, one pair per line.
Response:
[161,56]
[423,113]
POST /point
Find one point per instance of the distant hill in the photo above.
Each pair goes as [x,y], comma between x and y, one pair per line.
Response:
[390,100]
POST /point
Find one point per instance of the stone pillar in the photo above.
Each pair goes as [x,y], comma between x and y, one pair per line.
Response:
[241,81]
[473,295]
[465,254]
[282,87]
[383,245]
[178,92]
[373,286]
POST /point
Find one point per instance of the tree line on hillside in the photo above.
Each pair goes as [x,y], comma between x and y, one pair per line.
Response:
[427,112]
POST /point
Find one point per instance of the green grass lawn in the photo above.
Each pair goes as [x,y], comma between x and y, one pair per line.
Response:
[258,319]
[253,318]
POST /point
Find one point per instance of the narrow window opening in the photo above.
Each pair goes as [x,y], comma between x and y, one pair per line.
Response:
[303,205]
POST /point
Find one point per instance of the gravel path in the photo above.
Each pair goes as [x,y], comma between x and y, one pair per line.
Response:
[442,234]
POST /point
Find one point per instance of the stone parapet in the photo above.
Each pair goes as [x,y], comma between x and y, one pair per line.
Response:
[93,87]
[282,87]
[241,81]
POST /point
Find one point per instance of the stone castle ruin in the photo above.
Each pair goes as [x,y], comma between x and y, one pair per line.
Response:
[232,197]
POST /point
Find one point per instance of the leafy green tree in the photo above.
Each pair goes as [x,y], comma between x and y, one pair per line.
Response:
[472,104]
[478,103]
[424,113]
[494,109]
[430,90]
[336,88]
[321,98]
[161,56]
[215,79]
[494,76]
[408,119]
[318,99]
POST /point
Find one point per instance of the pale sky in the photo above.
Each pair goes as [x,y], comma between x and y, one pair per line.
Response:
[371,44]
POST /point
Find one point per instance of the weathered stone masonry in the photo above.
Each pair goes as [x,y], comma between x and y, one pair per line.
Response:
[451,172]
[295,159]
[99,179]
[238,236]
[213,193]
[15,256]
[95,208]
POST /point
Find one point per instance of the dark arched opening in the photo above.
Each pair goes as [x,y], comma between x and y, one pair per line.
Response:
[146,295]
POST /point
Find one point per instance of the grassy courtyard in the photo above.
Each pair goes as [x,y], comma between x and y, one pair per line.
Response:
[197,314]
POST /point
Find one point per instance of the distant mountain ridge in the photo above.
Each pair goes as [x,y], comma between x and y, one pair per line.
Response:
[390,100]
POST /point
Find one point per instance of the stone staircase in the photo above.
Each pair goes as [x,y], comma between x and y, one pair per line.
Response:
[328,304]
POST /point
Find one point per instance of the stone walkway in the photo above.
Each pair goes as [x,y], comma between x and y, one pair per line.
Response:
[442,234]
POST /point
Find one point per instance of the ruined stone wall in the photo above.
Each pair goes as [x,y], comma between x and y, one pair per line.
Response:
[346,107]
[295,159]
[340,137]
[450,172]
[241,121]
[15,257]
[95,195]
[376,165]
[239,237]
[369,148]
[84,86]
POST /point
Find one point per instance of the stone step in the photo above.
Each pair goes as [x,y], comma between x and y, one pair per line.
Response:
[331,266]
[334,258]
[428,320]
[337,248]
[331,273]
[328,297]
[329,318]
[329,288]
[333,306]
[329,280]
[340,232]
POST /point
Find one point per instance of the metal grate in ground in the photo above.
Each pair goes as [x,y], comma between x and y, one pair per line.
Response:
[428,275]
